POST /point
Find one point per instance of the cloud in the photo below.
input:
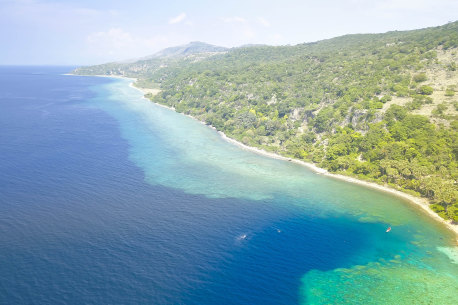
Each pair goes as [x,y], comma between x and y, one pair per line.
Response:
[114,38]
[401,6]
[405,5]
[239,20]
[177,19]
[234,19]
[276,39]
[54,17]
[263,22]
[119,44]
[248,33]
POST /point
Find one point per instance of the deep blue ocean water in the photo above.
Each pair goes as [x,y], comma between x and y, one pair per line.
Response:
[106,198]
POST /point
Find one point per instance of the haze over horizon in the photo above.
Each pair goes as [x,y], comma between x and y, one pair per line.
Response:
[86,32]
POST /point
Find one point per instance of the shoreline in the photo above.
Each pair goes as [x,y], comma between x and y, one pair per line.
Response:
[417,201]
[420,202]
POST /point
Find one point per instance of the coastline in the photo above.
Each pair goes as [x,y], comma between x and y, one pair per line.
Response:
[109,76]
[420,202]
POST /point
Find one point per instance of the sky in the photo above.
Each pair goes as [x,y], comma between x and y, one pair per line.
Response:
[83,32]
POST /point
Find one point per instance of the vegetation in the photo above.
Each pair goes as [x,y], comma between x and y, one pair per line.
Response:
[449,91]
[350,104]
[145,68]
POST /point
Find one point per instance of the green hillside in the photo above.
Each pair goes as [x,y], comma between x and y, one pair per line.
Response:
[380,107]
[161,61]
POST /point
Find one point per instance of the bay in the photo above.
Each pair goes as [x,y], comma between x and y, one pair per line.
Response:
[106,198]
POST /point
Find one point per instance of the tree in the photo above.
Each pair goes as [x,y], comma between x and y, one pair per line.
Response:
[425,90]
[420,77]
[449,92]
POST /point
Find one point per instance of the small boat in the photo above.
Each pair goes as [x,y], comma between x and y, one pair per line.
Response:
[388,230]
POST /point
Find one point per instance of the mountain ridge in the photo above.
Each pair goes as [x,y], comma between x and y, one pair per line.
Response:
[191,48]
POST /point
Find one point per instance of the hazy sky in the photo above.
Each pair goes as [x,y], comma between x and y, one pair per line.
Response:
[97,31]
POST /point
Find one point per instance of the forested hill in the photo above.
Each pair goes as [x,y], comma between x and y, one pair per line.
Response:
[381,107]
[160,61]
[190,48]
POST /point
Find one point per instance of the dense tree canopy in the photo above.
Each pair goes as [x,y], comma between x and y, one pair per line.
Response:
[326,102]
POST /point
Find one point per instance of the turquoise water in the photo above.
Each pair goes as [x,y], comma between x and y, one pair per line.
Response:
[108,198]
[203,163]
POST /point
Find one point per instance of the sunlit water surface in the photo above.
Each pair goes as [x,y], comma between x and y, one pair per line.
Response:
[106,198]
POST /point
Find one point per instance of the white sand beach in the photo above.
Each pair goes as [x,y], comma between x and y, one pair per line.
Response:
[422,203]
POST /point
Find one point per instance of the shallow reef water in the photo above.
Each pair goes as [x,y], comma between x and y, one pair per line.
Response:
[108,198]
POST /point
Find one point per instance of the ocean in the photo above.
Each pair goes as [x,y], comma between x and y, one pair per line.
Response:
[107,198]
